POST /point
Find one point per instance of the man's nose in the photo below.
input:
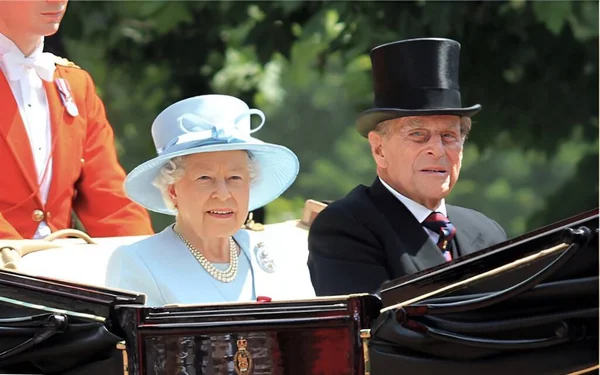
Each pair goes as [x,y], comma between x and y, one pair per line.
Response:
[436,146]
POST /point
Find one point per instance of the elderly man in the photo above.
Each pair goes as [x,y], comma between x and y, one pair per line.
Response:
[401,224]
[56,145]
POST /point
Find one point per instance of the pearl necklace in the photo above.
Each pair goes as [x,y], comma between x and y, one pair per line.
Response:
[226,276]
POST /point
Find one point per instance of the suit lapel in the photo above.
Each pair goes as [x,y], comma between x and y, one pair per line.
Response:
[58,120]
[412,237]
[470,240]
[13,131]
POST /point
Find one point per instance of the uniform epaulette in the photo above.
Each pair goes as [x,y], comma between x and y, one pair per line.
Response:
[64,62]
[252,225]
[257,227]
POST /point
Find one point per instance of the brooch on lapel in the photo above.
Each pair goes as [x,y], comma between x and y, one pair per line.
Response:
[265,261]
[65,94]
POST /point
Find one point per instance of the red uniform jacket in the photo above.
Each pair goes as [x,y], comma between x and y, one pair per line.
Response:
[86,175]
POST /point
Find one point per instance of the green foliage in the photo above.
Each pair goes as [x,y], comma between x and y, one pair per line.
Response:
[532,157]
[283,209]
[517,185]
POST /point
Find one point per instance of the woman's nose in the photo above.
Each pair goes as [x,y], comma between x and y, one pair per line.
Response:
[222,190]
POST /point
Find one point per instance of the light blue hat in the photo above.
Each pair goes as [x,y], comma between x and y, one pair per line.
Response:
[210,123]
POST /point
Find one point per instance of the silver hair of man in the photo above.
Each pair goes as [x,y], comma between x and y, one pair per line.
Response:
[174,170]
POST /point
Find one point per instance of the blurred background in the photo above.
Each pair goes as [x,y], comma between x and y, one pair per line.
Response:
[531,158]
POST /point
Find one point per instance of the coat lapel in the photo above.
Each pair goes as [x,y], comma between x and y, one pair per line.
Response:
[413,239]
[58,124]
[13,131]
[468,240]
[265,283]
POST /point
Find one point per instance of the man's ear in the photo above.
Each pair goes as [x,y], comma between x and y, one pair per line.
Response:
[376,142]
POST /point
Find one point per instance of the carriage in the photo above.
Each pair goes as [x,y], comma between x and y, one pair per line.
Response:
[525,306]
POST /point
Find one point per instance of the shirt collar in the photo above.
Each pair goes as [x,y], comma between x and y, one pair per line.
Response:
[419,211]
[7,45]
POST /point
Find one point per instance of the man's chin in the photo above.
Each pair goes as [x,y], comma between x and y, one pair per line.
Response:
[49,29]
[437,190]
[432,198]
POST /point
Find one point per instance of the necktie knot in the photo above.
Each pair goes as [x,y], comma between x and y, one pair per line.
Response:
[440,224]
[16,65]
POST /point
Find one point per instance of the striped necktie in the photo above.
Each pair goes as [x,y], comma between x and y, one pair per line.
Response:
[440,224]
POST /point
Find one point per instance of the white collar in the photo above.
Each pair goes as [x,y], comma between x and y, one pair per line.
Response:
[15,64]
[7,45]
[419,211]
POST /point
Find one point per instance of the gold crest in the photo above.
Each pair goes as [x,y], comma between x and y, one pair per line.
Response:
[242,360]
[64,62]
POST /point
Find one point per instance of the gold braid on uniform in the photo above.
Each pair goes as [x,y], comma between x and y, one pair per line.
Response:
[64,62]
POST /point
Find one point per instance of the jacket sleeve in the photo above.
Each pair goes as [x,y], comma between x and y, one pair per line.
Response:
[344,256]
[127,270]
[7,231]
[101,203]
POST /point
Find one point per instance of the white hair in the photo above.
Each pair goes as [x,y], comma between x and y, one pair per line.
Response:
[174,170]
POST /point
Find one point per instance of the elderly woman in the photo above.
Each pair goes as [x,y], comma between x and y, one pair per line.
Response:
[209,173]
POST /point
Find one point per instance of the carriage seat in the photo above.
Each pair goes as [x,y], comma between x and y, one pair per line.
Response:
[83,259]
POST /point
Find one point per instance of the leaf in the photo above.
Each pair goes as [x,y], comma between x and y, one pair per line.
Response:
[173,14]
[359,64]
[554,14]
[585,23]
[147,9]
[290,6]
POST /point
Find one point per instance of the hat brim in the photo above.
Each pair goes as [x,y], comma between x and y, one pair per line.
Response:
[370,118]
[277,169]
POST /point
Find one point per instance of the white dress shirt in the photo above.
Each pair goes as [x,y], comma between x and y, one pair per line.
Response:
[419,211]
[32,101]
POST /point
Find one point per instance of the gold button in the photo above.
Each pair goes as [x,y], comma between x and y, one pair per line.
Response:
[37,215]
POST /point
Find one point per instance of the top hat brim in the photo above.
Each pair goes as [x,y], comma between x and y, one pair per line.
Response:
[370,118]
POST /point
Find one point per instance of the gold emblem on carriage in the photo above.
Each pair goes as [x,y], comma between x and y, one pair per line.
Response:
[242,360]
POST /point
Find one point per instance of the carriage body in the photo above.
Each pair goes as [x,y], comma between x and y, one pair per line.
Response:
[318,336]
[325,335]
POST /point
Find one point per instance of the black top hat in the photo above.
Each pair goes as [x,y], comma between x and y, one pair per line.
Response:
[415,77]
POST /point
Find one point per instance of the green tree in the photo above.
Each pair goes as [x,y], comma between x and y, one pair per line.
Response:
[532,157]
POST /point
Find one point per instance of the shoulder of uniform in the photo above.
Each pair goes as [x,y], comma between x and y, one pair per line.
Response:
[252,225]
[65,62]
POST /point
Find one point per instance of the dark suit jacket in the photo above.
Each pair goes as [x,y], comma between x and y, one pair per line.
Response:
[369,237]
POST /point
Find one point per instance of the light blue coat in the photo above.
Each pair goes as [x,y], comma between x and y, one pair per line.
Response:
[163,268]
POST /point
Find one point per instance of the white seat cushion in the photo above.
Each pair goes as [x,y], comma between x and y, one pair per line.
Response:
[75,260]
